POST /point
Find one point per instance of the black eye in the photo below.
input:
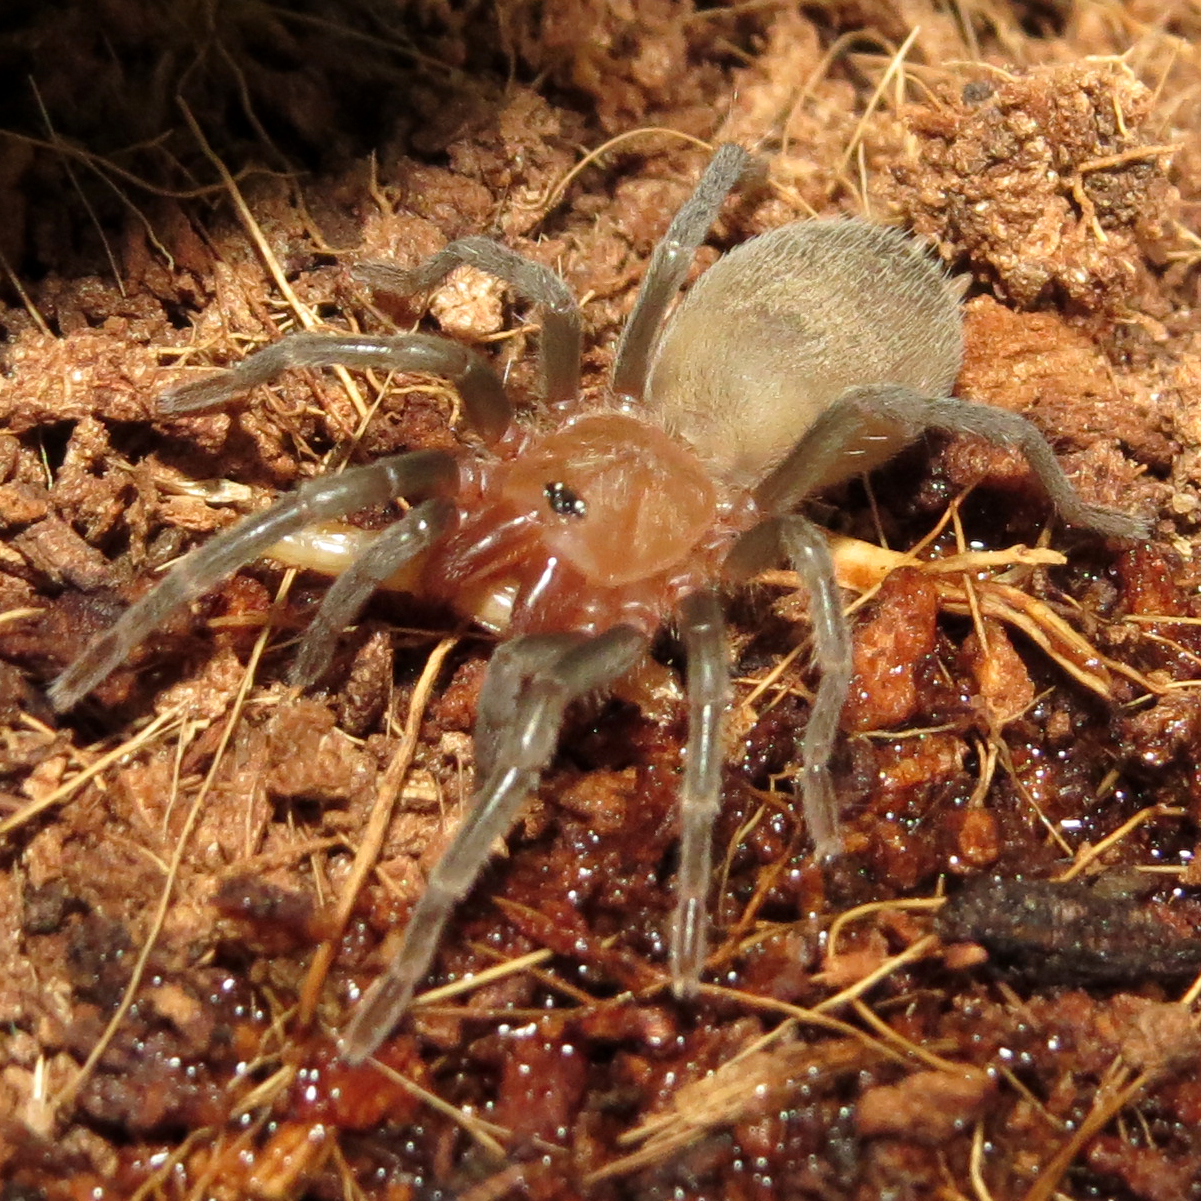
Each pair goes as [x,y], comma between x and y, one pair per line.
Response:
[564,501]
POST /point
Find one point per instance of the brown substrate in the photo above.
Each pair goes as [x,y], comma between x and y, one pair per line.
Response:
[1008,714]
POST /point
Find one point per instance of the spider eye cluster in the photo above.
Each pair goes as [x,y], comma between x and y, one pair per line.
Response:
[564,501]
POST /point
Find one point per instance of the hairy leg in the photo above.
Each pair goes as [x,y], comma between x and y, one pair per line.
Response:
[484,400]
[319,499]
[708,682]
[804,545]
[896,416]
[395,546]
[513,664]
[1013,430]
[531,281]
[669,264]
[525,749]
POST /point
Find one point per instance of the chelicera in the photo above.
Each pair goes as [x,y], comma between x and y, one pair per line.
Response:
[804,356]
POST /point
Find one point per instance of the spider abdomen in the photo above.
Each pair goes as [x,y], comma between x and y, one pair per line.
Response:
[784,324]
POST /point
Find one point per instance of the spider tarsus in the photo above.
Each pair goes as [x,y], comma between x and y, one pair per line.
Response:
[199,394]
[820,805]
[1113,523]
[685,988]
[382,1004]
[97,661]
[687,956]
[384,277]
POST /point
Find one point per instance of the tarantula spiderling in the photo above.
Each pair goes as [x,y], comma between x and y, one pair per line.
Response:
[804,356]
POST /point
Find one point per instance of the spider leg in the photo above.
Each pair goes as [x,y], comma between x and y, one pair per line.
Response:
[532,282]
[894,415]
[318,499]
[808,551]
[584,666]
[804,545]
[669,264]
[708,681]
[395,546]
[1013,430]
[483,394]
[511,666]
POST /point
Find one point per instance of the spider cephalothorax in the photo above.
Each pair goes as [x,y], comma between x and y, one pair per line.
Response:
[606,520]
[802,357]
